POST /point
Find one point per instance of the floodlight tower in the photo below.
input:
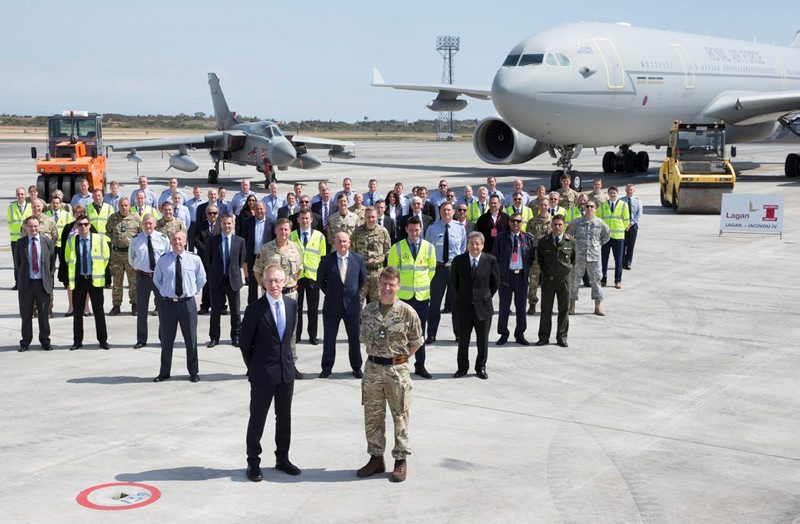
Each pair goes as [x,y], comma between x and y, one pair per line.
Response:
[447,46]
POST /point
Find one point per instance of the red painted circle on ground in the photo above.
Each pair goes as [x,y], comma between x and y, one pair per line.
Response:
[83,496]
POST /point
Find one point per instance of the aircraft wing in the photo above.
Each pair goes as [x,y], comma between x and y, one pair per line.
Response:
[318,143]
[445,91]
[211,140]
[745,108]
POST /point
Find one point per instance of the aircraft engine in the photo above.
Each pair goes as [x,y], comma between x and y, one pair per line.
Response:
[447,105]
[306,161]
[496,142]
[181,162]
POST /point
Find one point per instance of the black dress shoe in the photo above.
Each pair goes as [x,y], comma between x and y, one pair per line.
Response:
[14,288]
[203,311]
[104,345]
[422,372]
[358,373]
[542,342]
[430,340]
[254,473]
[46,347]
[161,378]
[68,314]
[75,346]
[194,378]
[324,374]
[314,341]
[522,341]
[287,467]
[139,345]
[502,340]
[481,374]
[235,342]
[563,343]
[213,342]
[23,349]
[460,373]
[297,374]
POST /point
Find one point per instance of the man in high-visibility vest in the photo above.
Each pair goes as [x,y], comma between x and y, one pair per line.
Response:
[87,256]
[17,212]
[614,212]
[415,259]
[313,247]
[99,212]
[517,207]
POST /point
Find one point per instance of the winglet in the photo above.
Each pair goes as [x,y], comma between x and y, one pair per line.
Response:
[796,41]
[377,78]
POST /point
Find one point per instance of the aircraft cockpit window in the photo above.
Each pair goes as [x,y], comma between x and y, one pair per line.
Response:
[268,131]
[511,61]
[531,59]
[550,59]
[563,60]
[276,131]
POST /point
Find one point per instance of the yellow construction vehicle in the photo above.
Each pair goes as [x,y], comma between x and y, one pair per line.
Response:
[696,172]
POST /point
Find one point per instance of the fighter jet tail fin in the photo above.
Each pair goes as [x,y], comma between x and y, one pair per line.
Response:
[225,119]
[796,41]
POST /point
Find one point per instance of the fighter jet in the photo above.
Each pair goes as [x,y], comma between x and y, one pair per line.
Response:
[260,144]
[596,85]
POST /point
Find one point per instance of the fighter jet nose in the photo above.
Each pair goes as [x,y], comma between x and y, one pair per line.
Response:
[283,154]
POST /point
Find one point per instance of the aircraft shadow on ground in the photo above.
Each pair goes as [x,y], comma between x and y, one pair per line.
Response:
[124,379]
[200,473]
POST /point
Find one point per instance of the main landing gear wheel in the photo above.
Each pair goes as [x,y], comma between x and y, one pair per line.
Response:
[629,162]
[609,162]
[792,166]
[213,177]
[642,162]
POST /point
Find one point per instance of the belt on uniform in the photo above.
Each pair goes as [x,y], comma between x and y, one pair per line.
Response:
[516,271]
[144,274]
[120,249]
[388,361]
[175,300]
[288,290]
[85,277]
[443,264]
[374,267]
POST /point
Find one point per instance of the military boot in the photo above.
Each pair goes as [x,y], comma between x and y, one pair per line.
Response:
[375,465]
[598,308]
[114,311]
[531,309]
[571,307]
[399,473]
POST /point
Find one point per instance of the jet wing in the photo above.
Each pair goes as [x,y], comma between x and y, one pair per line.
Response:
[745,108]
[445,91]
[318,143]
[215,140]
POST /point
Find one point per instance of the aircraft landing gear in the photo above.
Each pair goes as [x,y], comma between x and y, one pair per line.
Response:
[564,162]
[269,174]
[213,174]
[626,161]
[792,165]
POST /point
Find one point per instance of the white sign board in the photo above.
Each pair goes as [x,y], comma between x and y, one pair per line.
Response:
[751,214]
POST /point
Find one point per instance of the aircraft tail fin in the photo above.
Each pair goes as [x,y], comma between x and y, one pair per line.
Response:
[796,41]
[225,119]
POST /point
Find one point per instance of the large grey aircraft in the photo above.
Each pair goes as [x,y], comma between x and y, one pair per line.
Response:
[260,144]
[597,84]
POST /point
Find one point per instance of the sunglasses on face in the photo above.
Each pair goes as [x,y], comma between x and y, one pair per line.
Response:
[515,220]
[83,224]
[212,213]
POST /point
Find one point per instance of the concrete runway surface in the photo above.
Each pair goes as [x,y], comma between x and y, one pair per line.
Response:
[680,406]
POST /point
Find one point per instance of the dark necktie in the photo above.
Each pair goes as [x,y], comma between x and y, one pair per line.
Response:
[414,251]
[55,216]
[446,244]
[483,208]
[34,255]
[225,254]
[630,209]
[325,214]
[151,254]
[305,239]
[612,206]
[85,256]
[380,221]
[97,207]
[474,267]
[178,278]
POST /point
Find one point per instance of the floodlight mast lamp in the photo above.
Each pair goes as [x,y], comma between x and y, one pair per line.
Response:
[447,46]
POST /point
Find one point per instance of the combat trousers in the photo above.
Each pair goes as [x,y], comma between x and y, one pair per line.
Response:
[370,291]
[615,245]
[307,288]
[173,313]
[380,386]
[120,266]
[533,284]
[593,270]
[421,307]
[552,290]
[261,396]
[439,286]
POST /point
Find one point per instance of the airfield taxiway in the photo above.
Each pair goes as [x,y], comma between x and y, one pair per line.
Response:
[682,405]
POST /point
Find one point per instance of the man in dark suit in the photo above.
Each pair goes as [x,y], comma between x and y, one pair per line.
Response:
[266,345]
[325,207]
[475,278]
[257,231]
[203,233]
[36,259]
[290,208]
[341,275]
[202,211]
[493,223]
[515,252]
[461,217]
[386,221]
[316,221]
[416,210]
[225,257]
[428,207]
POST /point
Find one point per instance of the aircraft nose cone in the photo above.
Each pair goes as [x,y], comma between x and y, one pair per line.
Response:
[508,95]
[283,154]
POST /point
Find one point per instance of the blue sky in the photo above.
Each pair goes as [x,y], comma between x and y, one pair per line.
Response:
[303,60]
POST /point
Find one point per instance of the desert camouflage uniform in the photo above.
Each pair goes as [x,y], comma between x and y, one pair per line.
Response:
[568,198]
[337,223]
[589,239]
[290,258]
[388,335]
[538,226]
[167,228]
[122,230]
[373,245]
[598,198]
[359,213]
[47,227]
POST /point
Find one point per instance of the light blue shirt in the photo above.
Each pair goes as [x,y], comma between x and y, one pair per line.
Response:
[31,240]
[371,198]
[224,207]
[495,192]
[272,205]
[635,206]
[238,201]
[183,214]
[149,197]
[351,197]
[193,204]
[194,276]
[437,198]
[259,235]
[166,196]
[112,201]
[457,240]
[137,252]
[79,199]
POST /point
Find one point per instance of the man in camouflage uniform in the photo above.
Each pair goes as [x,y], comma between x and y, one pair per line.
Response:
[590,233]
[122,227]
[568,197]
[168,224]
[597,195]
[391,332]
[345,220]
[372,242]
[359,208]
[47,226]
[287,255]
[538,226]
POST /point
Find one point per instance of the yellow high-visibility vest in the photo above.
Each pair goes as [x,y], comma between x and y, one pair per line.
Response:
[16,218]
[99,219]
[527,214]
[312,252]
[573,213]
[100,254]
[415,275]
[618,220]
